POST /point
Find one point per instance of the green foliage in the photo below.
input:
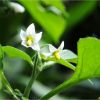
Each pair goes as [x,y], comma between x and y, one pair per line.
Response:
[16,53]
[52,23]
[88,64]
[1,57]
[57,3]
[0,84]
[62,62]
[13,53]
[1,53]
[88,58]
[1,66]
[53,17]
[56,23]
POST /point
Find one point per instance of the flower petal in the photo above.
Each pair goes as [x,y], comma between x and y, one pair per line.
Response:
[38,37]
[61,46]
[24,44]
[22,34]
[45,49]
[31,29]
[67,54]
[35,47]
[52,48]
[46,54]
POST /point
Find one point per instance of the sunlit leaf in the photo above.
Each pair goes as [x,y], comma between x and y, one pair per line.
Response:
[16,53]
[62,62]
[88,64]
[56,3]
[88,58]
[74,60]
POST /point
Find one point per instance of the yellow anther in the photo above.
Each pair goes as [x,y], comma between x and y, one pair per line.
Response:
[29,40]
[56,54]
[29,43]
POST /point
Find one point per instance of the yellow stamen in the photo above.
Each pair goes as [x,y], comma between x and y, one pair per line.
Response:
[29,40]
[56,54]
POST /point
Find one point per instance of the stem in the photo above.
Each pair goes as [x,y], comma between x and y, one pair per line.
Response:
[59,88]
[33,77]
[6,83]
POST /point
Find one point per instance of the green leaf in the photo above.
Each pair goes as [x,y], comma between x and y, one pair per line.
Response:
[56,3]
[88,58]
[53,24]
[1,52]
[0,82]
[88,64]
[1,58]
[62,62]
[16,53]
[1,85]
[74,60]
[1,66]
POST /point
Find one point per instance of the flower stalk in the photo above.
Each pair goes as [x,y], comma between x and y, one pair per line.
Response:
[35,73]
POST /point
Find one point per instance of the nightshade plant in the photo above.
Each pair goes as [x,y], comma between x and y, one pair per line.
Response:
[48,54]
[55,18]
[31,39]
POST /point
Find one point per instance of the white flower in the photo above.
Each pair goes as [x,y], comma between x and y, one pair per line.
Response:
[58,53]
[17,7]
[30,38]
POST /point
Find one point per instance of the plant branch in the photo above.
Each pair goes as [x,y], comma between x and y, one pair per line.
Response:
[35,73]
[59,88]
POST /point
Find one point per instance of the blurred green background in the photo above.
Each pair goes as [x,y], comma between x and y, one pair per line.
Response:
[59,20]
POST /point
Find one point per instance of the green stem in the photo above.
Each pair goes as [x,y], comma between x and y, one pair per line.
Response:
[6,83]
[59,88]
[33,77]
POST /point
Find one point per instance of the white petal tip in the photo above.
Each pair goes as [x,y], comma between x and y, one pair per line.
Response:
[22,34]
[31,29]
[31,26]
[61,45]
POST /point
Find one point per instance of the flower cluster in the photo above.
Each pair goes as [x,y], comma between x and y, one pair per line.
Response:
[31,39]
